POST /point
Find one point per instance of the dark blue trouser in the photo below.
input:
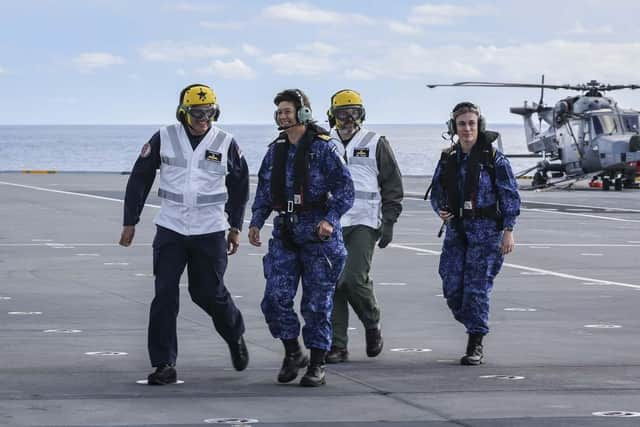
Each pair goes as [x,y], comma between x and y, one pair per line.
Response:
[318,265]
[468,266]
[205,256]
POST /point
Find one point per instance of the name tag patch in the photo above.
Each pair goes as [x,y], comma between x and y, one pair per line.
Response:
[213,156]
[361,152]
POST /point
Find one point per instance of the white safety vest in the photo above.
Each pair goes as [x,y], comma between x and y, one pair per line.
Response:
[360,154]
[192,182]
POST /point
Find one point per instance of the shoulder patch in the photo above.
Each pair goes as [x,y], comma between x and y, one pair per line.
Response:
[324,137]
[146,151]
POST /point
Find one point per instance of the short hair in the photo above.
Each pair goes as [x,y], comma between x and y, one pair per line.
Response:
[465,107]
[298,97]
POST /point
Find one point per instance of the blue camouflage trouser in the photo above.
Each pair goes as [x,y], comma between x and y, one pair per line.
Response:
[467,269]
[319,265]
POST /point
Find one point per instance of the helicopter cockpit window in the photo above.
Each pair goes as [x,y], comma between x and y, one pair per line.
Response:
[631,123]
[604,125]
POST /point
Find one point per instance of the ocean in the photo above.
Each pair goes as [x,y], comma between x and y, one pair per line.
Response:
[114,148]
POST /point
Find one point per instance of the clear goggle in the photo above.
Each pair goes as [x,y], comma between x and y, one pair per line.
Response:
[344,114]
[202,112]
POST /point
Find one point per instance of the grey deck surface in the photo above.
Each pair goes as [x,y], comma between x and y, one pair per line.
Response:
[576,264]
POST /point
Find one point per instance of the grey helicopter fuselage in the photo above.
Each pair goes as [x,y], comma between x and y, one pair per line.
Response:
[586,134]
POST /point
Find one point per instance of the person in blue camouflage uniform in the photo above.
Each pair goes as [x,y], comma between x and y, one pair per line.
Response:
[307,183]
[475,193]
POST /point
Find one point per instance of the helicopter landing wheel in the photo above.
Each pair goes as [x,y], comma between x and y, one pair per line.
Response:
[539,179]
[606,184]
[617,184]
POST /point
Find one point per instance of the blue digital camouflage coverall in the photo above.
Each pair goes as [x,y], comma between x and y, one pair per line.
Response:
[318,263]
[469,264]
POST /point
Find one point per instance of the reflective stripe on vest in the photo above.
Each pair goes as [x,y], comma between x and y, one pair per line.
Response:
[178,160]
[164,194]
[366,139]
[214,146]
[203,199]
[366,195]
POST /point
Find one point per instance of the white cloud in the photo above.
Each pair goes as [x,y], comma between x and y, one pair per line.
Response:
[359,74]
[402,28]
[2,71]
[198,7]
[300,63]
[236,70]
[170,51]
[306,13]
[91,61]
[251,50]
[217,25]
[319,48]
[444,14]
[579,29]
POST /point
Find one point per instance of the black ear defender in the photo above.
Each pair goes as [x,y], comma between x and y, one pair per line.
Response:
[462,108]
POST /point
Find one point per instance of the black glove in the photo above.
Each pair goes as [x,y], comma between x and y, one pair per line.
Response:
[386,235]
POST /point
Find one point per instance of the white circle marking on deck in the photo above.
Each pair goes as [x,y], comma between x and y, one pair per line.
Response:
[106,353]
[235,421]
[503,377]
[26,313]
[146,382]
[411,350]
[519,309]
[620,414]
[603,326]
[62,331]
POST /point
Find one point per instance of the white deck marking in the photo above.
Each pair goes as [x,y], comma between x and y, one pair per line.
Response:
[531,269]
[424,251]
[71,193]
[554,211]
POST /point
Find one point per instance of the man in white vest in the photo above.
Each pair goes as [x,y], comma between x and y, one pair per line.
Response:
[204,188]
[378,203]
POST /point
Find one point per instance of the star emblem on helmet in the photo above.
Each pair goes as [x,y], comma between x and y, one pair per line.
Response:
[202,94]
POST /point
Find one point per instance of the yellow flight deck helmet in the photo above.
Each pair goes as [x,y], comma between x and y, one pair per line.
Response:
[343,99]
[193,95]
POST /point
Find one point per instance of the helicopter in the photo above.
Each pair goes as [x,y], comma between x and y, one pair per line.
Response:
[586,135]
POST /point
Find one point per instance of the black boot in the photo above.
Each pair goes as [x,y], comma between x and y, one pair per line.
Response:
[163,375]
[314,377]
[474,351]
[337,355]
[290,366]
[373,338]
[239,354]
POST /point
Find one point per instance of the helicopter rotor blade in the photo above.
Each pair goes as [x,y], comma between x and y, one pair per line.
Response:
[540,105]
[580,87]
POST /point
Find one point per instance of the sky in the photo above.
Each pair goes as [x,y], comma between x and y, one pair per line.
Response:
[125,62]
